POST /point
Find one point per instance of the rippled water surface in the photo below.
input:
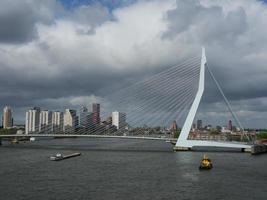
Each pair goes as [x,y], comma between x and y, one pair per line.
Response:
[126,169]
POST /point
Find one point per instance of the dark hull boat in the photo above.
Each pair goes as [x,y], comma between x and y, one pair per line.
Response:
[205,163]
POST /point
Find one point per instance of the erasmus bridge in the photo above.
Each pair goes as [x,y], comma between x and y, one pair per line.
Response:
[172,94]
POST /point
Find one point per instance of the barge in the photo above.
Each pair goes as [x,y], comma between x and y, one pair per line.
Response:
[59,156]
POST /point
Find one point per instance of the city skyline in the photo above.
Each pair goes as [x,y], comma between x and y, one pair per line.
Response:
[103,53]
[42,120]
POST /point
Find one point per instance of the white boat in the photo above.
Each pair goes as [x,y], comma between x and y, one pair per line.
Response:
[32,139]
[58,156]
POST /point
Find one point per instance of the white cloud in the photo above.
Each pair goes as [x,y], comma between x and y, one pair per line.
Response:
[89,48]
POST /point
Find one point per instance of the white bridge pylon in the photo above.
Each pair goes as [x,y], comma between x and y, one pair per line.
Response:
[183,143]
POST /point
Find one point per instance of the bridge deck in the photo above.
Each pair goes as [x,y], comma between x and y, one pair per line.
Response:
[88,136]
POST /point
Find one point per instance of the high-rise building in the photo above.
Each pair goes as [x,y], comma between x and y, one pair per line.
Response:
[32,120]
[174,126]
[230,125]
[70,120]
[119,119]
[83,116]
[96,113]
[86,118]
[45,124]
[109,120]
[57,121]
[7,117]
[199,124]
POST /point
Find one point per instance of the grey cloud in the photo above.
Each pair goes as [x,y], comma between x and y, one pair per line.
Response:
[221,33]
[18,19]
[208,23]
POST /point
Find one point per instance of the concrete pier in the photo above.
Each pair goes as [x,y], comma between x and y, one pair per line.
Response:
[258,149]
[175,148]
[211,149]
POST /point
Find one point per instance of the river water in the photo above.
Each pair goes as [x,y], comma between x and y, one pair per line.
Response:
[126,169]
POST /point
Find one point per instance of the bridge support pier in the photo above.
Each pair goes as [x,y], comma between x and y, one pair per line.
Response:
[258,149]
[177,148]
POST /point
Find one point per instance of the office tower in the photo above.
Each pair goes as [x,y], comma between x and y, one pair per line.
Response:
[86,118]
[83,116]
[96,113]
[109,120]
[119,119]
[230,125]
[199,124]
[70,120]
[32,120]
[57,122]
[7,117]
[45,124]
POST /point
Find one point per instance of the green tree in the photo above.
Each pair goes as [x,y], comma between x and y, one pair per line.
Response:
[214,131]
[176,133]
[262,135]
[8,131]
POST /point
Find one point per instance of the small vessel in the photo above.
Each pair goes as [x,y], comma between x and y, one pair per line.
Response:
[205,163]
[14,141]
[59,156]
[32,139]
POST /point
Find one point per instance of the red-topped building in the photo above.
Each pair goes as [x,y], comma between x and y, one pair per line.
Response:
[174,126]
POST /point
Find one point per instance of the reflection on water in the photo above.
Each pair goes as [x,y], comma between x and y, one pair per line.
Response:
[190,176]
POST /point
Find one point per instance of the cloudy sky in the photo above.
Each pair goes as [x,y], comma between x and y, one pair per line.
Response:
[62,53]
